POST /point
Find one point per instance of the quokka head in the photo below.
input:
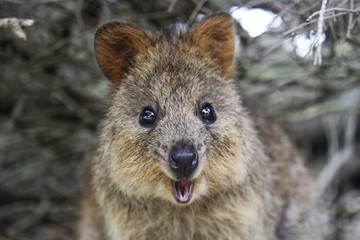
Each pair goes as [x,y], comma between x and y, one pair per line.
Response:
[175,129]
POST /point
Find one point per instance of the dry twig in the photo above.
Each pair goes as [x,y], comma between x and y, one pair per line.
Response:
[304,24]
[16,25]
[331,10]
[171,6]
[338,157]
[351,16]
[196,11]
[320,30]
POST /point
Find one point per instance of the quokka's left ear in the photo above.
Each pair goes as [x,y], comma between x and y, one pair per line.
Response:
[215,37]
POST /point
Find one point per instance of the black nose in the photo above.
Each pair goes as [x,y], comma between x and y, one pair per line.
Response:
[183,160]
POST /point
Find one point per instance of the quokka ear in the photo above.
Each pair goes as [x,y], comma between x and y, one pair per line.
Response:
[215,37]
[116,46]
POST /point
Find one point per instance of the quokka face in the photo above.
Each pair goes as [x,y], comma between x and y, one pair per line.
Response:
[178,131]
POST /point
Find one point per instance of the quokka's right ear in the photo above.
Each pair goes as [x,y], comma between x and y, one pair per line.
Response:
[215,37]
[116,46]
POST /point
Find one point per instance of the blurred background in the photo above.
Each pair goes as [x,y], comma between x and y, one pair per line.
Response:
[300,64]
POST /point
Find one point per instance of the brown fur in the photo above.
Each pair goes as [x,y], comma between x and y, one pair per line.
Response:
[250,182]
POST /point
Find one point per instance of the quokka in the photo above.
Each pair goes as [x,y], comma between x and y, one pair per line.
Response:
[181,154]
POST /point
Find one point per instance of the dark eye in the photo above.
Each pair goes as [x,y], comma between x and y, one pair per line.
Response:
[207,113]
[147,117]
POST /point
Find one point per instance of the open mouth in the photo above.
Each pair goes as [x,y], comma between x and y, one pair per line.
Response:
[183,190]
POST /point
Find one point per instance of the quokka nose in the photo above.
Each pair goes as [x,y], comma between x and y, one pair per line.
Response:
[183,160]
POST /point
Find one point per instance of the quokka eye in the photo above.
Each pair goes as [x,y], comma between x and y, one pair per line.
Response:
[147,117]
[207,113]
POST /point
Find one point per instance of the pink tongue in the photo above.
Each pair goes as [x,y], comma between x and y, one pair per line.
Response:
[183,183]
[183,190]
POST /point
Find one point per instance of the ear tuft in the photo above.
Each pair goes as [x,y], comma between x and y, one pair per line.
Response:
[116,46]
[215,37]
